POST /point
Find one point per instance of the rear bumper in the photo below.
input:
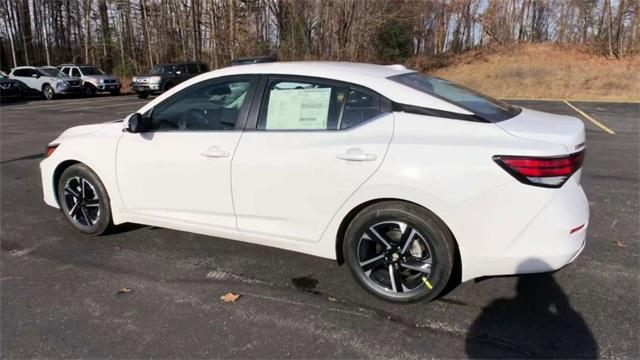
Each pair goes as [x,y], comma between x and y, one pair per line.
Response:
[554,238]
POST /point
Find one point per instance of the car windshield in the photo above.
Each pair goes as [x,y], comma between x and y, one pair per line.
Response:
[158,70]
[481,105]
[90,70]
[52,72]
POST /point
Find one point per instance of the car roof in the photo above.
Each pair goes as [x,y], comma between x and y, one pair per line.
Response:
[311,67]
[182,63]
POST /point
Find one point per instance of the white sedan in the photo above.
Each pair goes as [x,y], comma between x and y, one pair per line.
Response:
[404,177]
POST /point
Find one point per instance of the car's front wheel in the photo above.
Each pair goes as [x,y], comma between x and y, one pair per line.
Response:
[47,92]
[143,95]
[84,200]
[399,251]
[89,91]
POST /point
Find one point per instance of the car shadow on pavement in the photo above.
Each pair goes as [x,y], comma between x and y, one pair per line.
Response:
[538,322]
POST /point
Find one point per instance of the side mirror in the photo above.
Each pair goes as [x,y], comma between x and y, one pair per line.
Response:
[136,123]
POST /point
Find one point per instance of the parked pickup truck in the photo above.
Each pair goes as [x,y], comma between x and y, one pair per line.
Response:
[94,80]
[163,77]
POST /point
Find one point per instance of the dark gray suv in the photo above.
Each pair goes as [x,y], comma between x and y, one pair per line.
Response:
[163,77]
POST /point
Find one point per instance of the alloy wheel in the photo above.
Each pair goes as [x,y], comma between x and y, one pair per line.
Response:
[395,257]
[82,202]
[48,93]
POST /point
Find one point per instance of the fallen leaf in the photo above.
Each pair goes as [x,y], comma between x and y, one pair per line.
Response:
[229,297]
[620,244]
[124,290]
[332,299]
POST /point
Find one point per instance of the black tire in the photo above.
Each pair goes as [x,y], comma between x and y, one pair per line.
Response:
[47,92]
[89,90]
[115,92]
[143,95]
[88,210]
[379,268]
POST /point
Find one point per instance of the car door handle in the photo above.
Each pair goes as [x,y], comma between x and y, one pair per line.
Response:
[354,154]
[215,153]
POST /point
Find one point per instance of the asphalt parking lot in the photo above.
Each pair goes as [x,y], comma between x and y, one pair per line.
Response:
[59,289]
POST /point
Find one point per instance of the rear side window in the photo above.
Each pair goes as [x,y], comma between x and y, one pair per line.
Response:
[302,105]
[23,72]
[193,69]
[359,107]
[485,107]
[75,72]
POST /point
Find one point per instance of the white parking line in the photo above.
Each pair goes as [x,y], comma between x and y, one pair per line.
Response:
[594,121]
[104,106]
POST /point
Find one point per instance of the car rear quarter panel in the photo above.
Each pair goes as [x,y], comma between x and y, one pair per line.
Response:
[446,166]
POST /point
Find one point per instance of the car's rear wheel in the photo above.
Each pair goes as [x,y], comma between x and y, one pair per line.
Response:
[84,200]
[47,92]
[115,92]
[143,95]
[399,251]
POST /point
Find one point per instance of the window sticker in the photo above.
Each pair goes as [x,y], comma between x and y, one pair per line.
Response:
[298,109]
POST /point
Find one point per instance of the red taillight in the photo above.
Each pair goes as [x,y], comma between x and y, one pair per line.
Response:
[51,149]
[541,171]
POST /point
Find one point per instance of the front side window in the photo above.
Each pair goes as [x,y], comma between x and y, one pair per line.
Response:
[75,72]
[201,107]
[481,105]
[301,106]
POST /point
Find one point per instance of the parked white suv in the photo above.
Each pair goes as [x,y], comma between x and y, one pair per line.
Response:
[94,80]
[47,79]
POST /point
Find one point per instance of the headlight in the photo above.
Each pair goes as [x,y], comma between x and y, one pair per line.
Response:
[135,79]
[155,79]
[101,81]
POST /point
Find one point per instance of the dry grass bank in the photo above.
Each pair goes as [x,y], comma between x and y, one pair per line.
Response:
[546,71]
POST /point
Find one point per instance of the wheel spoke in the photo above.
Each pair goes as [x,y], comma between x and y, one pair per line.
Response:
[86,216]
[420,266]
[92,203]
[73,210]
[407,238]
[395,278]
[71,192]
[375,236]
[372,263]
[83,183]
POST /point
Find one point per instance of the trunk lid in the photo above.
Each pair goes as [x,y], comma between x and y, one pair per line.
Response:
[557,129]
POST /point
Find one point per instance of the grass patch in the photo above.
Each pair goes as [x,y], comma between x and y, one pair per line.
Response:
[541,71]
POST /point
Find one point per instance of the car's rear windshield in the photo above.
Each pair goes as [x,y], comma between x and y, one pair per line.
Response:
[52,72]
[90,70]
[483,106]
